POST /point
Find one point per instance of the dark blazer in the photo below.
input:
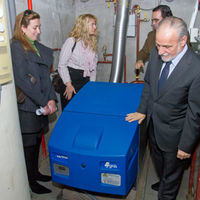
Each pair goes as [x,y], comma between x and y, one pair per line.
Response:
[176,110]
[32,76]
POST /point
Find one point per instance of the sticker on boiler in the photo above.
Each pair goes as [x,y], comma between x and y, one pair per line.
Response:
[111,179]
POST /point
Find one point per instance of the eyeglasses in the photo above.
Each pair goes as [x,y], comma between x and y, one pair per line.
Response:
[27,12]
[155,20]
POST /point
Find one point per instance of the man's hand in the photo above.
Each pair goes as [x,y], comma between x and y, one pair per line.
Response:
[182,155]
[69,91]
[139,64]
[135,116]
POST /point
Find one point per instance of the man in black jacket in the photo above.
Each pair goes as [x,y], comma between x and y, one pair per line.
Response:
[171,103]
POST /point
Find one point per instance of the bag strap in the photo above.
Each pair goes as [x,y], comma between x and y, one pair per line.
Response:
[74,46]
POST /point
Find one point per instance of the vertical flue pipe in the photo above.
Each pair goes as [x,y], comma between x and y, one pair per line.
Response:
[119,40]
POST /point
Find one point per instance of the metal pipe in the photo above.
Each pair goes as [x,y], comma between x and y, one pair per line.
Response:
[194,15]
[137,71]
[119,40]
[198,184]
[12,15]
[191,177]
[29,4]
[125,69]
[138,34]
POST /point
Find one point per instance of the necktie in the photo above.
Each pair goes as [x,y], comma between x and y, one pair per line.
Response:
[164,75]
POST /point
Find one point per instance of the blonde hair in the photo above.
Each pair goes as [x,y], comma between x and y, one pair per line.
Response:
[23,19]
[80,31]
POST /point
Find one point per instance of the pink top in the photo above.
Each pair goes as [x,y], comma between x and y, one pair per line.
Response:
[81,58]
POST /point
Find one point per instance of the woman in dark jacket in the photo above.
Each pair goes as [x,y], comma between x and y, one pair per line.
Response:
[31,63]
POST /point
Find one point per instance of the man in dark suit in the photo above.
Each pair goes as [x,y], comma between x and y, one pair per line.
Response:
[171,103]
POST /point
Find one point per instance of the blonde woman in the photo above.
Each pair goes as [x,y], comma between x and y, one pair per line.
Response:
[78,57]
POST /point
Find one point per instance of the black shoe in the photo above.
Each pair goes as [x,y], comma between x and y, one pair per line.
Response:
[41,177]
[155,186]
[39,189]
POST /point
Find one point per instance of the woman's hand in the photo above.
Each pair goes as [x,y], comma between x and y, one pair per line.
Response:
[47,110]
[52,106]
[135,116]
[69,91]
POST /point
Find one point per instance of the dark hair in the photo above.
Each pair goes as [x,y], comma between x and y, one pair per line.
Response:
[165,10]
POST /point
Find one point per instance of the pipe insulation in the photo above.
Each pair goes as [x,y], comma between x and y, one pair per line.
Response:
[119,40]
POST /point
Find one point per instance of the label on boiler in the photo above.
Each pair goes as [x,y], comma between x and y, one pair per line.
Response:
[111,179]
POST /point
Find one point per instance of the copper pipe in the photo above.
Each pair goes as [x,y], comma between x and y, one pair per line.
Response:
[192,171]
[137,71]
[106,62]
[56,49]
[29,4]
[198,184]
[43,144]
[138,34]
[137,81]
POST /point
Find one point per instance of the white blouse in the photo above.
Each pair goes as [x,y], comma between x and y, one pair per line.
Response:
[81,58]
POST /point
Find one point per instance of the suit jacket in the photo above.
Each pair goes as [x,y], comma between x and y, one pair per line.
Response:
[176,110]
[32,76]
[148,46]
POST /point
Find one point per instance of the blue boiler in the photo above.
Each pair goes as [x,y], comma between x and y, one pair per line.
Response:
[92,147]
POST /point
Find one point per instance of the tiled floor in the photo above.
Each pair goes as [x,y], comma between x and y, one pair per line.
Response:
[58,193]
